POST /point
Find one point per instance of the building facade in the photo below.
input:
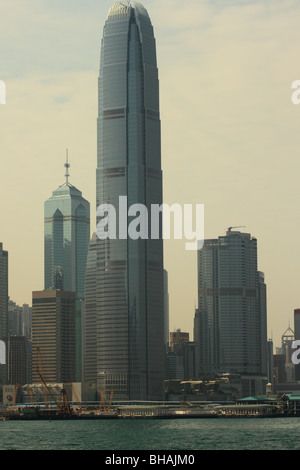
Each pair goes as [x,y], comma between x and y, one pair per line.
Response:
[53,334]
[90,316]
[130,274]
[17,360]
[230,328]
[297,338]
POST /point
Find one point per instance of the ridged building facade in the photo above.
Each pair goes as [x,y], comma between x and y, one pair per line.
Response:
[130,274]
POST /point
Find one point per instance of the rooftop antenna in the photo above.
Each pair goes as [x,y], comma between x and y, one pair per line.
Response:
[67,166]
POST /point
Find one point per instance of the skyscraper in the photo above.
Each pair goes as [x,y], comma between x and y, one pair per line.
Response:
[130,284]
[67,234]
[231,320]
[53,332]
[90,315]
[3,310]
[297,338]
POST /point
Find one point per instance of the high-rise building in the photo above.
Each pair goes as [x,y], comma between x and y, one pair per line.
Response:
[17,360]
[90,316]
[230,328]
[14,322]
[27,319]
[130,274]
[297,338]
[53,334]
[3,311]
[67,234]
[166,307]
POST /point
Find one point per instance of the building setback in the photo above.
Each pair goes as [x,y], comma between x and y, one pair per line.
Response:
[53,333]
[130,274]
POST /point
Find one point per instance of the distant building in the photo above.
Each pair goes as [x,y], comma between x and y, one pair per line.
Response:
[279,369]
[67,234]
[14,319]
[26,320]
[17,360]
[53,332]
[180,359]
[297,338]
[286,351]
[230,327]
[177,340]
[166,308]
[3,310]
[19,319]
[270,362]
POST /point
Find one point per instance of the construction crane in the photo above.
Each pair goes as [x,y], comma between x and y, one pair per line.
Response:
[103,402]
[239,226]
[63,407]
[31,396]
[110,400]
[41,374]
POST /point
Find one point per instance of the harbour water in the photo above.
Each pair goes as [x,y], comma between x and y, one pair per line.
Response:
[154,435]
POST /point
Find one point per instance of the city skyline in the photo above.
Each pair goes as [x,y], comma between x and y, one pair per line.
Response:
[229,131]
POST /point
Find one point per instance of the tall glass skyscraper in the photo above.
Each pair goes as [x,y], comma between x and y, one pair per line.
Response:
[231,321]
[67,235]
[3,312]
[130,284]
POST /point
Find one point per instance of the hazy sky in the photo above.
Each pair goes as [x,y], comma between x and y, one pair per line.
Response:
[230,133]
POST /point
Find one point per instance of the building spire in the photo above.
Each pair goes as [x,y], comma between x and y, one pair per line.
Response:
[67,166]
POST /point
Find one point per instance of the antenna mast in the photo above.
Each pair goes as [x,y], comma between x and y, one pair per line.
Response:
[67,166]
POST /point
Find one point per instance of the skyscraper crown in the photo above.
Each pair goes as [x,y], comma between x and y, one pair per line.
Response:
[121,10]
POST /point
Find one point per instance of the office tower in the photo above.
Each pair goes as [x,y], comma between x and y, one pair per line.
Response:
[90,316]
[67,234]
[26,320]
[17,360]
[230,327]
[3,311]
[180,359]
[177,339]
[166,309]
[287,340]
[130,275]
[53,332]
[297,338]
[14,319]
[270,365]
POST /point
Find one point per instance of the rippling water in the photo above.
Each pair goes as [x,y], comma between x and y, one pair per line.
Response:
[190,434]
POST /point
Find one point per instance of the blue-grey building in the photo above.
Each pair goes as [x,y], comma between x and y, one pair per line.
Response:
[130,274]
[230,328]
[67,235]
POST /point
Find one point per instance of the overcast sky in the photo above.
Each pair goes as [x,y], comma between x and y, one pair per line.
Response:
[230,132]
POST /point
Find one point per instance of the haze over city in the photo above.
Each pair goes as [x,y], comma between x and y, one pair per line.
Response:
[229,131]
